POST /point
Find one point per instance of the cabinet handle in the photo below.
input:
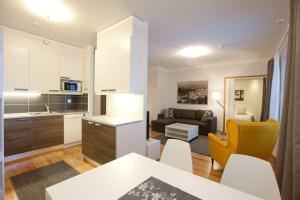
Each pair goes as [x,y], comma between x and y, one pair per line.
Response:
[104,90]
[64,77]
[21,89]
[53,90]
[112,90]
[90,122]
[22,119]
[56,116]
[98,124]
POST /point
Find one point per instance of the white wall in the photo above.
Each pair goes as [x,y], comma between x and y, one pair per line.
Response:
[1,67]
[125,106]
[253,93]
[1,115]
[214,75]
[157,86]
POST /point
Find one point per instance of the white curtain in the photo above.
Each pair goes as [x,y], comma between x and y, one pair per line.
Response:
[275,91]
[276,100]
[278,81]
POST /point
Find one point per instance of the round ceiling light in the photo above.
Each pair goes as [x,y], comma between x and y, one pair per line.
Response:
[194,51]
[53,10]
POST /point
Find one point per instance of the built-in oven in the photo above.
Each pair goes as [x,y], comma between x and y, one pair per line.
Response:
[67,85]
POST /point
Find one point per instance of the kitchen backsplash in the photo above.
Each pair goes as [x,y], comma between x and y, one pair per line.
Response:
[57,102]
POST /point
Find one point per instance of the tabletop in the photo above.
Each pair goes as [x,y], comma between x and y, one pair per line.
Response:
[114,179]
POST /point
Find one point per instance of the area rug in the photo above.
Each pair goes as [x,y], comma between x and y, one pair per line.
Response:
[198,145]
[31,185]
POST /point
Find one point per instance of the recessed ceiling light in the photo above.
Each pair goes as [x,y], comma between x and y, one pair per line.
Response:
[194,51]
[53,10]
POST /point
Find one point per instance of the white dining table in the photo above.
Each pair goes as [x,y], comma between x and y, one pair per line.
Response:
[114,179]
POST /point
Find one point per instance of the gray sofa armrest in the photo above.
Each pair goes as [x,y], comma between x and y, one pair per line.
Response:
[160,116]
[212,124]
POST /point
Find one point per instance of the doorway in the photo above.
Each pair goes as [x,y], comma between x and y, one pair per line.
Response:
[244,97]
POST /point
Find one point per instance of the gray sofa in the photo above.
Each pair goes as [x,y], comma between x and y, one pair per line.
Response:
[185,116]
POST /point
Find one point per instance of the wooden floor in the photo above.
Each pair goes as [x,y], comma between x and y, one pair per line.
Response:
[201,164]
[74,157]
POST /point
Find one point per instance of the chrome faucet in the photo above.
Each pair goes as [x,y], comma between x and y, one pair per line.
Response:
[48,108]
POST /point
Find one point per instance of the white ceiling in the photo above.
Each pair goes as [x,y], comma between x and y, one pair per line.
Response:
[245,28]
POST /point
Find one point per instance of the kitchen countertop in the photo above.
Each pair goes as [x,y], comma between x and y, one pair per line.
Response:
[111,121]
[40,114]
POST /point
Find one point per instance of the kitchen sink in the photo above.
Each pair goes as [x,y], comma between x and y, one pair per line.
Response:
[44,113]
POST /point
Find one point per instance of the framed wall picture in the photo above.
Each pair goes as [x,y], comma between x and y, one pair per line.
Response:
[192,92]
[239,95]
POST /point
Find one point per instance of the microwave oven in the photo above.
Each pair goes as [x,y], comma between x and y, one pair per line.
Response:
[70,85]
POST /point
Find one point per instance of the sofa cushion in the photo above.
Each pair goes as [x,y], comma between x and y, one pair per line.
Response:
[176,113]
[187,114]
[199,114]
[207,115]
[190,121]
[170,113]
[164,112]
[163,121]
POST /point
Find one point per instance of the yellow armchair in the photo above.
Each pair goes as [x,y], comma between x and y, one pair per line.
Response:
[256,139]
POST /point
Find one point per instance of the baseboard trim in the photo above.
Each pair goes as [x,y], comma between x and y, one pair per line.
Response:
[72,144]
[32,153]
[89,160]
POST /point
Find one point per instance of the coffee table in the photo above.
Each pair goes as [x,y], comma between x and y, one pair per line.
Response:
[181,131]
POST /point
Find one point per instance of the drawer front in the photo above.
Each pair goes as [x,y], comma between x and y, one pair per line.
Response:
[17,136]
[98,141]
[47,131]
[106,151]
[88,139]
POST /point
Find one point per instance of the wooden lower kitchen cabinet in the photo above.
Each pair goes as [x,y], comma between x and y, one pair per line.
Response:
[98,141]
[17,136]
[102,143]
[47,131]
[32,133]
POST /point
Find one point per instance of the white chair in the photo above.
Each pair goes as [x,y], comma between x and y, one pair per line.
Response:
[178,154]
[251,175]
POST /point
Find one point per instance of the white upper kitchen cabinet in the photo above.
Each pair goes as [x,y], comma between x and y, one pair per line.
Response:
[36,64]
[88,57]
[44,70]
[121,56]
[101,80]
[16,68]
[71,66]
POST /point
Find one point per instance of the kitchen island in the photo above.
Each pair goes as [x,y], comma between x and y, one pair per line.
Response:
[106,138]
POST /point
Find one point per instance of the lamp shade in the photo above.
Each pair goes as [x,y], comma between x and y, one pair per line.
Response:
[216,96]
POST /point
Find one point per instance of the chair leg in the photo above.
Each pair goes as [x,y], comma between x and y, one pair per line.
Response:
[212,162]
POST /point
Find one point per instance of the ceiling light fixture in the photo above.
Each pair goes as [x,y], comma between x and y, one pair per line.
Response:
[194,51]
[53,10]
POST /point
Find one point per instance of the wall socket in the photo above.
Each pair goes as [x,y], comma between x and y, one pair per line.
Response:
[69,100]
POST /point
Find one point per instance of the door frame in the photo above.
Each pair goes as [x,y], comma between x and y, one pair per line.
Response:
[224,95]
